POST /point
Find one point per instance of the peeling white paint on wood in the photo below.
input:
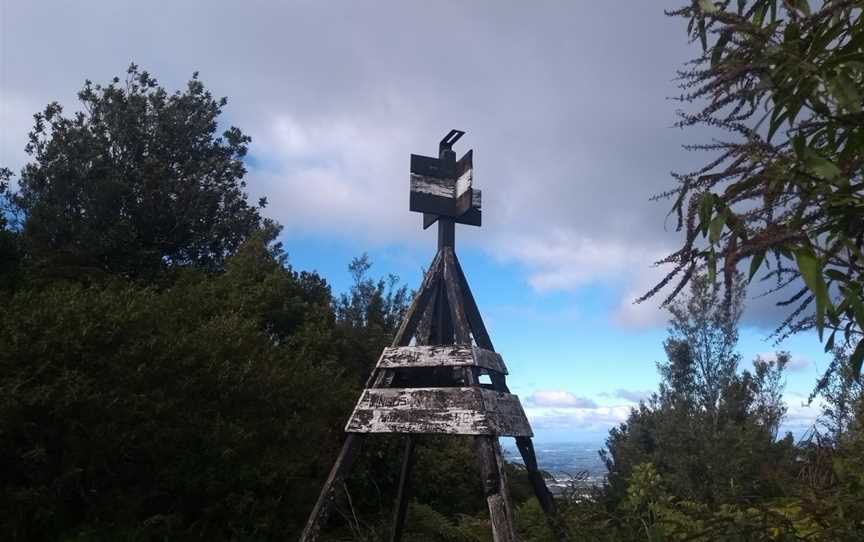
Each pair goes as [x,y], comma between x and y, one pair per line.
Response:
[455,411]
[433,186]
[461,355]
[463,183]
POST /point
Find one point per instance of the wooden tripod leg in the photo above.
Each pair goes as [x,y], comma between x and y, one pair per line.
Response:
[402,495]
[495,489]
[343,463]
[544,496]
[526,448]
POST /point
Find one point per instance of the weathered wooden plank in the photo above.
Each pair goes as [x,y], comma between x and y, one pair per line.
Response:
[432,167]
[477,199]
[501,519]
[454,298]
[442,326]
[489,360]
[495,488]
[439,196]
[471,217]
[478,328]
[494,479]
[418,304]
[433,186]
[456,411]
[456,355]
[465,174]
[423,334]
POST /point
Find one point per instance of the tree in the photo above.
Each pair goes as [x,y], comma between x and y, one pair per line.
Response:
[710,431]
[783,84]
[841,392]
[135,183]
[194,411]
[368,316]
[704,331]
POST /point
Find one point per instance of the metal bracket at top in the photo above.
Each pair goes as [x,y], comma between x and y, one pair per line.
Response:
[449,140]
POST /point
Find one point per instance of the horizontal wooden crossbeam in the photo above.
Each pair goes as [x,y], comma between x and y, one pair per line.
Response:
[453,355]
[454,411]
[471,217]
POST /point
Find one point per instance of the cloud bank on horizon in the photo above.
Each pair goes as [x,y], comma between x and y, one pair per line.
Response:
[561,414]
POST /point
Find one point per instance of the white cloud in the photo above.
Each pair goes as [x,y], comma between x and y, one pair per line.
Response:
[558,399]
[563,259]
[598,419]
[327,176]
[560,410]
[647,314]
[601,418]
[800,416]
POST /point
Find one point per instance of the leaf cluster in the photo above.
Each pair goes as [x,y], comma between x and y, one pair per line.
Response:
[783,189]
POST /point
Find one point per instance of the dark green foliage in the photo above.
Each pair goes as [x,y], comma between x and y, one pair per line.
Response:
[448,476]
[190,412]
[841,391]
[135,183]
[783,188]
[710,431]
[368,317]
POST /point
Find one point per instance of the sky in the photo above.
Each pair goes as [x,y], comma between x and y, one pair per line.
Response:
[565,103]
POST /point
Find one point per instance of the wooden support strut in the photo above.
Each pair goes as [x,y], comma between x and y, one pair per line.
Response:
[402,492]
[523,443]
[378,378]
[472,313]
[488,449]
[494,479]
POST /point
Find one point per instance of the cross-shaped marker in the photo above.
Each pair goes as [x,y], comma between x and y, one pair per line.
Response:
[441,189]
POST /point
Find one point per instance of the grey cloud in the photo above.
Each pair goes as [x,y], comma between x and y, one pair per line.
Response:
[564,104]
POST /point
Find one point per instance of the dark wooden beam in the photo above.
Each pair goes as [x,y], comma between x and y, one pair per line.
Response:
[443,324]
[321,511]
[402,493]
[526,449]
[495,487]
[478,328]
[423,335]
[494,479]
[455,298]
[350,449]
[446,233]
[418,304]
